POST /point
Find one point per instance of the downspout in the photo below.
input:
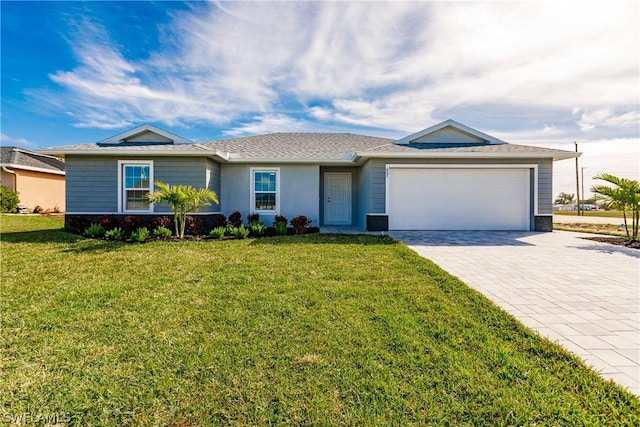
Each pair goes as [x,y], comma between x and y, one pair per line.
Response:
[4,168]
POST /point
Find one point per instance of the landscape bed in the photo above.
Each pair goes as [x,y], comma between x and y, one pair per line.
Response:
[312,329]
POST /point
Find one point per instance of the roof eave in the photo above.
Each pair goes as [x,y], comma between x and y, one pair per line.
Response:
[32,168]
[472,155]
[264,160]
[130,153]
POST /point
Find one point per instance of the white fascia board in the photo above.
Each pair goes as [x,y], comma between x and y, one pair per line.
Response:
[140,153]
[31,168]
[456,125]
[263,160]
[116,139]
[467,155]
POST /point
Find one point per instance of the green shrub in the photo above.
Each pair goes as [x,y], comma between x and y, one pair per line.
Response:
[161,231]
[114,234]
[300,224]
[95,231]
[217,232]
[9,199]
[229,230]
[257,228]
[140,235]
[281,228]
[109,222]
[235,219]
[241,232]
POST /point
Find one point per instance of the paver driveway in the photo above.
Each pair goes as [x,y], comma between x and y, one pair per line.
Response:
[583,294]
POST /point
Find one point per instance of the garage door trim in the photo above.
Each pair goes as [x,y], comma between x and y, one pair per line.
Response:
[533,167]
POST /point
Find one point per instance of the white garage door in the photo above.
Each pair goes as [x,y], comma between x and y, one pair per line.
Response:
[458,199]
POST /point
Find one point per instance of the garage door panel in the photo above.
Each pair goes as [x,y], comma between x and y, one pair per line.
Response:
[459,199]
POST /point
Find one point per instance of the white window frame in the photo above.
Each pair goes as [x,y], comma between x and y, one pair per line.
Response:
[121,189]
[252,206]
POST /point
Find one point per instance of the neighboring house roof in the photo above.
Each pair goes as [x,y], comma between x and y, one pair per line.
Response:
[18,158]
[447,139]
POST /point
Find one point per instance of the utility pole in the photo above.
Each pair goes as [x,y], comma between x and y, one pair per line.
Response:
[577,182]
[582,179]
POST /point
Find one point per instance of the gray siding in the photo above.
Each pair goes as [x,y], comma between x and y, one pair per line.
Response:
[448,134]
[374,171]
[545,186]
[299,190]
[213,183]
[92,182]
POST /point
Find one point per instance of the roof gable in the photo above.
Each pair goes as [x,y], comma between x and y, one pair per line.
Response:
[449,132]
[145,134]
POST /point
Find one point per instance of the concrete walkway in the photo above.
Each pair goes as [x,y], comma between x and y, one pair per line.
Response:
[582,294]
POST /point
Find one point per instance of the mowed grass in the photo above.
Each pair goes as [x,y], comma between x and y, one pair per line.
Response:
[301,330]
[598,213]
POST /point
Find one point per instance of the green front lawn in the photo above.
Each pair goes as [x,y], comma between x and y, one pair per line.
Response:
[314,329]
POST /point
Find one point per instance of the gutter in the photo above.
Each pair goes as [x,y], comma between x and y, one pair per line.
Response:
[31,168]
[137,153]
[4,168]
[470,155]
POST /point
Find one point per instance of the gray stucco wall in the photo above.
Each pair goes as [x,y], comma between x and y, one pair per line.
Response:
[299,190]
[92,182]
[374,172]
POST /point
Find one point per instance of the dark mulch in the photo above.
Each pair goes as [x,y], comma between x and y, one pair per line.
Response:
[619,241]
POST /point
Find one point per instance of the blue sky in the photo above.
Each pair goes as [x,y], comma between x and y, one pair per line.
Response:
[540,73]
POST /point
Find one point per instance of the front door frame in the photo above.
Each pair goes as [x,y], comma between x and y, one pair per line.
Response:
[327,197]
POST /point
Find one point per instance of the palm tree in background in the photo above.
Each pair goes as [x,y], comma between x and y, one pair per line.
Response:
[624,195]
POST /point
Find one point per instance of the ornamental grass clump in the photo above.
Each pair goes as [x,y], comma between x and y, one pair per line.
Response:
[114,234]
[162,232]
[217,232]
[280,225]
[257,229]
[140,235]
[241,232]
[94,231]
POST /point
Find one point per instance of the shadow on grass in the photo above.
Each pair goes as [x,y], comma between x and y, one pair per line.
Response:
[53,235]
[58,235]
[326,238]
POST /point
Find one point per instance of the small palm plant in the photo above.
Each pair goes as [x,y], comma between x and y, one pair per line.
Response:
[182,200]
[625,196]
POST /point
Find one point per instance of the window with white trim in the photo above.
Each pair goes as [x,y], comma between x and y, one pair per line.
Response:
[135,180]
[265,190]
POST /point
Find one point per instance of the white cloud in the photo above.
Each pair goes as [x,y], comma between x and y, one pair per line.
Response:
[607,118]
[21,142]
[270,123]
[399,66]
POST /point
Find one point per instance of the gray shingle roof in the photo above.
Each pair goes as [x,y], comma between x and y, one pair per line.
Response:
[312,147]
[19,157]
[463,148]
[320,146]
